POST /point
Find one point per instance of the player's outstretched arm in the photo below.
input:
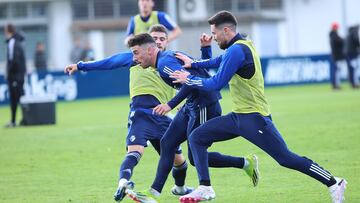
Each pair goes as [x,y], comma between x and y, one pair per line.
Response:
[206,64]
[120,60]
[231,62]
[70,69]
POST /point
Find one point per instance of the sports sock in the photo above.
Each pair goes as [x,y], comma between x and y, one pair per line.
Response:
[179,174]
[218,160]
[127,166]
[246,163]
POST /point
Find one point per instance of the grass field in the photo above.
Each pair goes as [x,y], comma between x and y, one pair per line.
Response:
[77,160]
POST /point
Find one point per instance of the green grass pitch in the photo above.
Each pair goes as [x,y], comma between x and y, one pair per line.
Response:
[78,159]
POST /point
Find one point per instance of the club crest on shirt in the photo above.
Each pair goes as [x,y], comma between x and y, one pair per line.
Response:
[132,138]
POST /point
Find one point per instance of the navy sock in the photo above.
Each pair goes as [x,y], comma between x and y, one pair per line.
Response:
[218,160]
[179,174]
[205,182]
[127,166]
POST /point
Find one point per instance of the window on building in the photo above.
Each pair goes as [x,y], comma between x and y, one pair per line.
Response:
[34,34]
[80,9]
[222,5]
[2,48]
[3,11]
[246,5]
[38,9]
[103,8]
[271,4]
[128,7]
[19,10]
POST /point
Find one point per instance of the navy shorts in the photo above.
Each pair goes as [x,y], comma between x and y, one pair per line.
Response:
[144,126]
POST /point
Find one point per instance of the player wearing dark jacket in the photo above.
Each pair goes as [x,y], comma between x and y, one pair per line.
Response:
[337,44]
[15,69]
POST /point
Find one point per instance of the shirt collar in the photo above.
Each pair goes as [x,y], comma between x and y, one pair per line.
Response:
[234,39]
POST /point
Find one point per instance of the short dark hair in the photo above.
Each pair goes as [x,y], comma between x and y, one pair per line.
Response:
[140,39]
[10,28]
[222,17]
[158,28]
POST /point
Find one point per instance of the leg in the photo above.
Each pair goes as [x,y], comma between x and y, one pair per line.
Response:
[351,69]
[178,171]
[333,68]
[13,100]
[337,74]
[131,159]
[173,137]
[356,71]
[260,131]
[139,125]
[126,170]
[216,129]
[216,159]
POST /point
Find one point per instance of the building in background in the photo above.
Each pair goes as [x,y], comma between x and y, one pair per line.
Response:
[277,27]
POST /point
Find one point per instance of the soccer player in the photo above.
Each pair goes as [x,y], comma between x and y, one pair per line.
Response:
[147,17]
[240,67]
[147,90]
[199,106]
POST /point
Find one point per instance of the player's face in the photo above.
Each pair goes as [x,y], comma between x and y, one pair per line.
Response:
[161,40]
[145,6]
[140,55]
[219,36]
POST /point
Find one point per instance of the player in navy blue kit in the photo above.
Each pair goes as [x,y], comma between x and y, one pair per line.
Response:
[147,90]
[199,107]
[250,118]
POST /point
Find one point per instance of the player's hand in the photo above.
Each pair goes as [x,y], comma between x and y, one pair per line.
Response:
[205,40]
[187,61]
[162,109]
[70,69]
[179,76]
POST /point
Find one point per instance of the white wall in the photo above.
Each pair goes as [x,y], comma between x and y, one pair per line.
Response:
[60,20]
[307,24]
[96,40]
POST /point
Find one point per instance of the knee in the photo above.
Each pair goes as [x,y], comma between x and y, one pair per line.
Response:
[179,159]
[135,148]
[198,137]
[194,137]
